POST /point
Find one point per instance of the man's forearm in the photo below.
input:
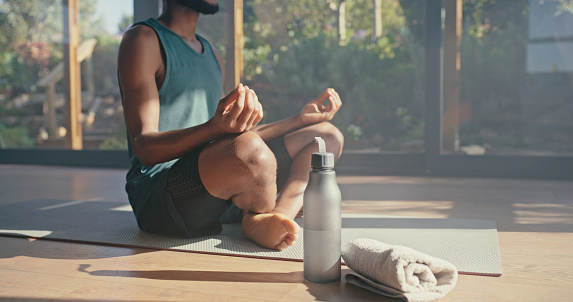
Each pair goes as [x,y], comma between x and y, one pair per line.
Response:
[275,129]
[158,147]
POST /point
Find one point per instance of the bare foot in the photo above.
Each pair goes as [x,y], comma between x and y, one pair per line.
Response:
[271,230]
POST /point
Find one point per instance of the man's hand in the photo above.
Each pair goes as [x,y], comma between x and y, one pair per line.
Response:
[315,112]
[238,112]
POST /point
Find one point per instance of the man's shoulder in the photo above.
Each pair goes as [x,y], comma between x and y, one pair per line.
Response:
[140,31]
[139,39]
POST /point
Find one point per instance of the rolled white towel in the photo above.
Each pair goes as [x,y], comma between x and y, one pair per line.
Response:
[398,271]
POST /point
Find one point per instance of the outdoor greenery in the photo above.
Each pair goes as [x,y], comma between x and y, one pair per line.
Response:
[293,50]
[31,46]
[15,137]
[296,49]
[510,107]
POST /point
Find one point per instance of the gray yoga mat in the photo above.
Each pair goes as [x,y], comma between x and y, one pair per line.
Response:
[471,245]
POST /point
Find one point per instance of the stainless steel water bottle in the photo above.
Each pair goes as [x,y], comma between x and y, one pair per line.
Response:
[322,219]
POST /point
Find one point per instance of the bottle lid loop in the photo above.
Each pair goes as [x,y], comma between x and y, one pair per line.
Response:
[321,144]
[322,159]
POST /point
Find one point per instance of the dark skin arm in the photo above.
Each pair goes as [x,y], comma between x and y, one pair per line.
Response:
[314,112]
[141,72]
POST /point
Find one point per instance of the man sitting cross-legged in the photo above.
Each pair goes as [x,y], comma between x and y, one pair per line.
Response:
[195,153]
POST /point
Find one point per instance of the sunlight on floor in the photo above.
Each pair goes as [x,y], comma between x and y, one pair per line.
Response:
[30,233]
[543,213]
[124,208]
[67,204]
[433,208]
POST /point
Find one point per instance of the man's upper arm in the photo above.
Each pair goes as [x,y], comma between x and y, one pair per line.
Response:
[139,60]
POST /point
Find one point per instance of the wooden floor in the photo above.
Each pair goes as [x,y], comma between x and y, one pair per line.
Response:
[534,219]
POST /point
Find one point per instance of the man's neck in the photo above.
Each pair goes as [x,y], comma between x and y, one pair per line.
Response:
[183,22]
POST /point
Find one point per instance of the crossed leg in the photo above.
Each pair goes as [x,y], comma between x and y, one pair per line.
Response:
[300,145]
[243,169]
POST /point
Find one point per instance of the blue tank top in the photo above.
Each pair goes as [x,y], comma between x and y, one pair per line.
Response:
[188,97]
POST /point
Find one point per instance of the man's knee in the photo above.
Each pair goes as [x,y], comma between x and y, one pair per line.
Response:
[259,167]
[254,156]
[236,164]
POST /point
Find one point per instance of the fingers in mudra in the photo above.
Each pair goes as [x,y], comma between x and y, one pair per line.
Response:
[242,110]
[333,99]
[250,109]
